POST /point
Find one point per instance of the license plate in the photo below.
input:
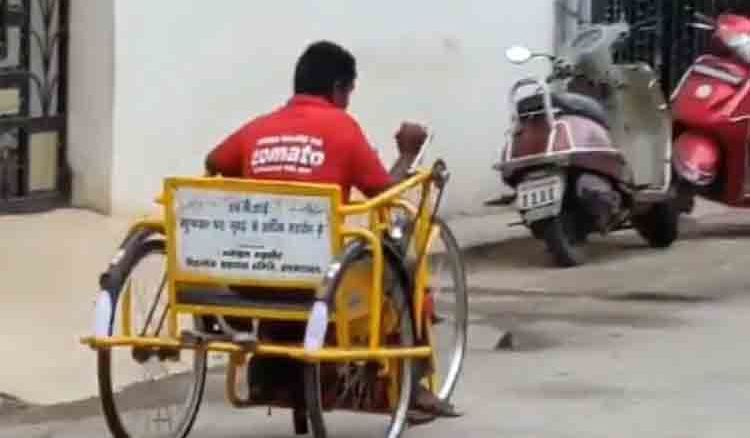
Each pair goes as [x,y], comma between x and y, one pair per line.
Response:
[537,214]
[538,193]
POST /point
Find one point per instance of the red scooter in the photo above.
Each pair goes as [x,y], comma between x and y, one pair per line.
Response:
[711,111]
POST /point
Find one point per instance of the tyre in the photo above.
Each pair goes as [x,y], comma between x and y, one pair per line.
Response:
[537,232]
[563,237]
[684,193]
[448,295]
[148,392]
[660,225]
[362,375]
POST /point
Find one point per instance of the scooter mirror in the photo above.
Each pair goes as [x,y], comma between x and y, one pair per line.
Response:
[518,54]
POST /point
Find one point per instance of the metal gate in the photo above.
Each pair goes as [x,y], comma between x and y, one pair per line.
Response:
[34,174]
[672,46]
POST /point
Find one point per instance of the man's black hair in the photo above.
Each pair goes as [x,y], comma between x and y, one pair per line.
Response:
[323,65]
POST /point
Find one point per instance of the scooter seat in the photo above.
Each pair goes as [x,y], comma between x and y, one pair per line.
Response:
[569,104]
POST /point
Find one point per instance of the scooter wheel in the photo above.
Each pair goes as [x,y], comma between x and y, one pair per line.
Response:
[563,239]
[660,226]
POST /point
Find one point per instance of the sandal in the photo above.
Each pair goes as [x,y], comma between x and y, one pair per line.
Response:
[427,407]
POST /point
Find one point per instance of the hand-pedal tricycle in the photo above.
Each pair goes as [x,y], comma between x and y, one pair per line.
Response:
[271,285]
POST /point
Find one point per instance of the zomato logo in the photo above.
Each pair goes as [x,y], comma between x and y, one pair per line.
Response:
[297,153]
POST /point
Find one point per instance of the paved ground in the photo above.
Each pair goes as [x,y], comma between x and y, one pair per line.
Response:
[711,258]
[585,367]
[637,343]
[49,266]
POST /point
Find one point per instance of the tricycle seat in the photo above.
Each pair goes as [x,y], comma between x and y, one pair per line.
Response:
[247,298]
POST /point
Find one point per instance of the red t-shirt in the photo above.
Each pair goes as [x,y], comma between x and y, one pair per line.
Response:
[307,140]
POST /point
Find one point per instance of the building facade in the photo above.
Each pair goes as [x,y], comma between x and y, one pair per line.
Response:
[151,86]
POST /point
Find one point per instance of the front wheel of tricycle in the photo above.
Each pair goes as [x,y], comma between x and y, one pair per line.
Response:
[338,394]
[447,321]
[148,392]
[563,238]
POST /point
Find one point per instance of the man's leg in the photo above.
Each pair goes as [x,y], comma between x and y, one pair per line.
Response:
[274,379]
[426,406]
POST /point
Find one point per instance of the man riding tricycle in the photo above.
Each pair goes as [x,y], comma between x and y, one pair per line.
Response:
[262,265]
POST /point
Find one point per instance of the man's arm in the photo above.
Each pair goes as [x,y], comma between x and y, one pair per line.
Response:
[400,169]
[370,177]
[226,158]
[212,169]
[410,139]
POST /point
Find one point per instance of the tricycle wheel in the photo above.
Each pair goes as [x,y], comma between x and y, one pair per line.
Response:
[447,327]
[563,237]
[148,392]
[660,225]
[353,386]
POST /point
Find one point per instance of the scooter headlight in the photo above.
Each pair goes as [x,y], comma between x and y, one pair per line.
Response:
[740,45]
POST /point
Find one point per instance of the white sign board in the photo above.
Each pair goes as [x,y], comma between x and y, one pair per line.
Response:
[256,236]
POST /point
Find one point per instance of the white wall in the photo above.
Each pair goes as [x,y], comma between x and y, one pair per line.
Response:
[189,72]
[91,90]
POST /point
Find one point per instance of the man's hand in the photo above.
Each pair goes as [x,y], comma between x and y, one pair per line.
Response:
[410,138]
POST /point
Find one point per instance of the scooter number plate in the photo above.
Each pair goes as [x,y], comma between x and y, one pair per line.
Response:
[538,193]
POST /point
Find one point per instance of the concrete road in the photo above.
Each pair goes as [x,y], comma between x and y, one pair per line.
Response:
[711,257]
[638,342]
[582,367]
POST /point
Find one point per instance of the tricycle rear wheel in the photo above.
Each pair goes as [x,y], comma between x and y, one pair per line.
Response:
[125,400]
[395,286]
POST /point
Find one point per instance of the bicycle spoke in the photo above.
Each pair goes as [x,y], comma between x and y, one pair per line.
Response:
[162,320]
[154,305]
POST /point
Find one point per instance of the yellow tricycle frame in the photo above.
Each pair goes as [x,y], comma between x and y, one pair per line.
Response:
[377,211]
